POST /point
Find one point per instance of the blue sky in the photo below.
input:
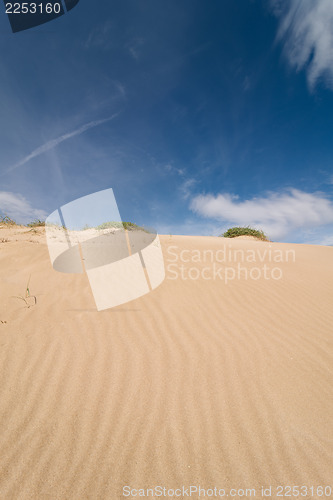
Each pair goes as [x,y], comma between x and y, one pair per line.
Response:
[200,115]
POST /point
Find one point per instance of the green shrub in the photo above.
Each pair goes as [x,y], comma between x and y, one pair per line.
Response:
[233,232]
[111,224]
[36,223]
[129,226]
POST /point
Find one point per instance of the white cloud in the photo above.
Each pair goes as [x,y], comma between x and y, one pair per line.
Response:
[18,208]
[55,142]
[306,30]
[277,214]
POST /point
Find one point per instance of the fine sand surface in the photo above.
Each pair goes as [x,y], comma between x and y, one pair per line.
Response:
[200,382]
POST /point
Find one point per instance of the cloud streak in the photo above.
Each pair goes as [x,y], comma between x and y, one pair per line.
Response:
[55,142]
[306,31]
[277,214]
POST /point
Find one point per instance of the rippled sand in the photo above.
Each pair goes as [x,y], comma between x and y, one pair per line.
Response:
[198,383]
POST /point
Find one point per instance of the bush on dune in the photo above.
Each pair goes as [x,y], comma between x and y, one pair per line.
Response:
[233,232]
[129,226]
[36,223]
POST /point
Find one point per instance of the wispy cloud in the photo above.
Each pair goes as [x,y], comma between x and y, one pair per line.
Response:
[55,142]
[306,32]
[186,187]
[99,37]
[19,208]
[134,47]
[174,170]
[277,214]
[186,184]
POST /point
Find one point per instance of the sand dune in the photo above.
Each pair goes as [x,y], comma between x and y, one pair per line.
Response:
[200,382]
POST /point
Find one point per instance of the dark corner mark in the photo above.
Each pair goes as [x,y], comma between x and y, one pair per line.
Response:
[24,15]
[70,4]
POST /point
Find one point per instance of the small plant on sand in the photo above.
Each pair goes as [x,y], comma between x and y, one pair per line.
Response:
[6,220]
[27,296]
[233,232]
